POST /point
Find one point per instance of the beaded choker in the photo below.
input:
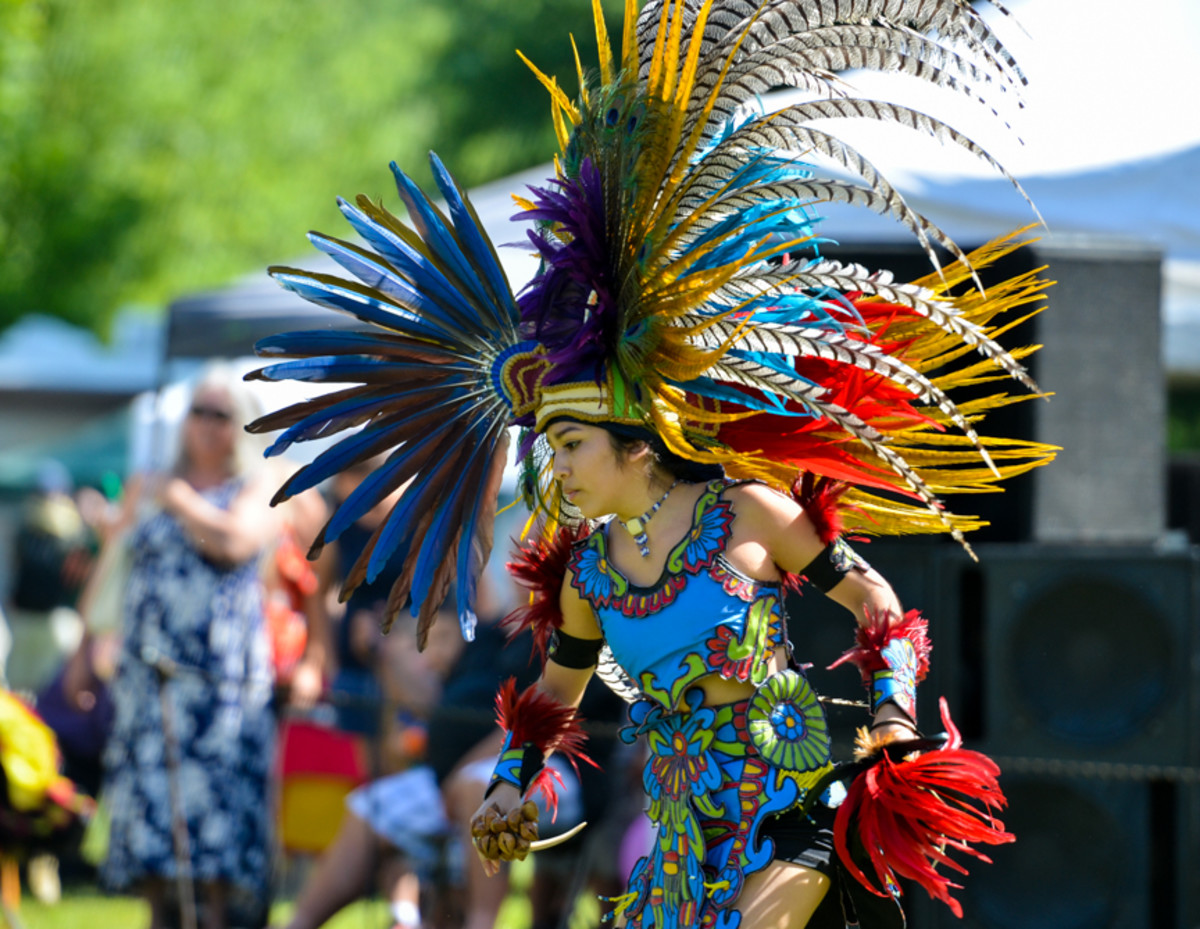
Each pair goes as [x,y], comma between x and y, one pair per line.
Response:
[636,527]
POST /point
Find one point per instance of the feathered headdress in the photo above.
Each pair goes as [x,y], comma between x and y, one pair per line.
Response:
[670,293]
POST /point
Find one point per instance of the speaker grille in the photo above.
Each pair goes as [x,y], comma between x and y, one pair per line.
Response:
[1088,654]
[1080,860]
[1091,660]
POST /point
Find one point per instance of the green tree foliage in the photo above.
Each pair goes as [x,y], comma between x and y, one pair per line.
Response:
[148,149]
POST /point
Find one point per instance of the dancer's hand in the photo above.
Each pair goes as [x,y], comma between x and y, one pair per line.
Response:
[503,828]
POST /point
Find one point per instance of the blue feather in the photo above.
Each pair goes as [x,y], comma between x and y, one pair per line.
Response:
[432,225]
[343,297]
[474,241]
[341,342]
[332,419]
[467,572]
[425,274]
[399,525]
[381,277]
[349,369]
[433,549]
[377,485]
[338,458]
[769,403]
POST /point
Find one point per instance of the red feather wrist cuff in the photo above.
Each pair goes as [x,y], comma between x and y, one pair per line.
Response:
[892,654]
[536,725]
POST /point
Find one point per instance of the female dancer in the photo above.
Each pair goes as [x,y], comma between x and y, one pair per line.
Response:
[683,307]
[738,539]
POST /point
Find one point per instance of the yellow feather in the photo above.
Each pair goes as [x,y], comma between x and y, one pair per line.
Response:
[697,133]
[561,132]
[629,49]
[655,76]
[556,93]
[672,53]
[583,91]
[603,46]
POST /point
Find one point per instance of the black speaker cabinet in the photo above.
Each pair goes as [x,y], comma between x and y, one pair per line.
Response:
[1089,654]
[1102,360]
[1188,862]
[1084,859]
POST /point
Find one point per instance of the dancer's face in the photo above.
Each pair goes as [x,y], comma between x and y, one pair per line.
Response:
[593,474]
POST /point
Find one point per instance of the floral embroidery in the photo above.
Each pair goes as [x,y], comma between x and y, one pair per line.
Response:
[745,658]
[590,573]
[734,584]
[680,761]
[682,778]
[720,658]
[599,582]
[710,529]
[787,724]
[639,605]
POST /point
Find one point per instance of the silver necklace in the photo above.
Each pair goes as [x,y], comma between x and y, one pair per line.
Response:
[636,527]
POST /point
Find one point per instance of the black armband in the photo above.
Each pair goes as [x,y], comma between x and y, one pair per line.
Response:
[573,652]
[830,567]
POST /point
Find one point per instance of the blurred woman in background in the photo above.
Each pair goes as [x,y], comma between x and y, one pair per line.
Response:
[192,746]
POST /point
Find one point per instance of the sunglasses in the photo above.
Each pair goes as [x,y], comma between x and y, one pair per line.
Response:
[211,412]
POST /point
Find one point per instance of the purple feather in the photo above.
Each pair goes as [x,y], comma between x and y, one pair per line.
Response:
[571,306]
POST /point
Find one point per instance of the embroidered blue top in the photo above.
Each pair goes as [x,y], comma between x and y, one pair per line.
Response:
[722,622]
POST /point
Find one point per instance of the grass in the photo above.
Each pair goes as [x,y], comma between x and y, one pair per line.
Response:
[81,908]
[95,911]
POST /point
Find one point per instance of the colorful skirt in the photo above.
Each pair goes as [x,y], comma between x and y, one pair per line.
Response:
[714,777]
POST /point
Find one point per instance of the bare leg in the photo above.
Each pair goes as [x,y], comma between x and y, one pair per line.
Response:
[341,875]
[782,895]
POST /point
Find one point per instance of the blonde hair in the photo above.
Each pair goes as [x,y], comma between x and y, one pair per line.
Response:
[245,407]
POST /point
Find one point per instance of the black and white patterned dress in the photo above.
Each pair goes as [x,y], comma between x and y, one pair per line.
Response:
[208,620]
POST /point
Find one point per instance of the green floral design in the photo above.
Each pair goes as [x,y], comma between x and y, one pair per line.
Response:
[787,723]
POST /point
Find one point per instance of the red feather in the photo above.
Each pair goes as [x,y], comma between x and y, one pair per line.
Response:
[820,497]
[547,783]
[541,568]
[880,629]
[536,716]
[909,813]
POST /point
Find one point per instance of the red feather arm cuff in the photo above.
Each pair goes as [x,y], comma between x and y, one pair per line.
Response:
[908,814]
[892,654]
[821,499]
[541,568]
[535,725]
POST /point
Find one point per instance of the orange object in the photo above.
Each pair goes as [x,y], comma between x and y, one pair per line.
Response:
[318,766]
[287,627]
[10,883]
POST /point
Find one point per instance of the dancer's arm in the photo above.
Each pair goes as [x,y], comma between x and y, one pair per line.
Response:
[560,682]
